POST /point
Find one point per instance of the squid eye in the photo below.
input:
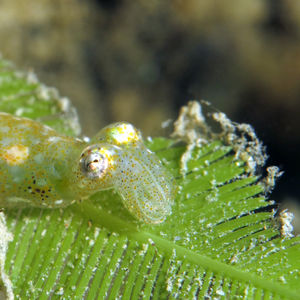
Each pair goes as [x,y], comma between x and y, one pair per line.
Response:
[93,163]
[145,186]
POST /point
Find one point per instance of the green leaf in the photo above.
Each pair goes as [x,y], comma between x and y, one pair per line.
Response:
[23,95]
[221,240]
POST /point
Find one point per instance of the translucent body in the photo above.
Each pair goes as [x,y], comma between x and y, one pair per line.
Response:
[145,186]
[42,168]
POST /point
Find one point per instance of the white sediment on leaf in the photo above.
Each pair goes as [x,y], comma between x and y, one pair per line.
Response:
[166,123]
[5,238]
[46,93]
[190,125]
[242,138]
[31,77]
[41,92]
[191,128]
[269,181]
[286,219]
[73,120]
[64,104]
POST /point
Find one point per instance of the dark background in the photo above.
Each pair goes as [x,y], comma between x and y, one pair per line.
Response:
[140,61]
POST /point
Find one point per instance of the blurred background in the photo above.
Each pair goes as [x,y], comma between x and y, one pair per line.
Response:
[141,60]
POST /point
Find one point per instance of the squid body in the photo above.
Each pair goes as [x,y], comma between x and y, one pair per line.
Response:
[43,168]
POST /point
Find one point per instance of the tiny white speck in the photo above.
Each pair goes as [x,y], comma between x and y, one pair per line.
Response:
[19,112]
[166,123]
[60,292]
[54,139]
[64,104]
[86,139]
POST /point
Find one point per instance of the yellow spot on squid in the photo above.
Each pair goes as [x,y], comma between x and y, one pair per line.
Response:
[15,155]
